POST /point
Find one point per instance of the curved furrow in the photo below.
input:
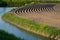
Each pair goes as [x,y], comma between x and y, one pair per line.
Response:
[35,8]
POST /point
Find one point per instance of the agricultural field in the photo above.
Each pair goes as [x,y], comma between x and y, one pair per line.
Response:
[38,17]
[40,28]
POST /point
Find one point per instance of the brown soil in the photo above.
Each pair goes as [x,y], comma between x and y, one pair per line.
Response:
[51,18]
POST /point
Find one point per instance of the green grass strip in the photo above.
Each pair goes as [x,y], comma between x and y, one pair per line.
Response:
[33,25]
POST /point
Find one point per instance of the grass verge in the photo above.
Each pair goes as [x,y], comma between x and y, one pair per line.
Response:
[40,28]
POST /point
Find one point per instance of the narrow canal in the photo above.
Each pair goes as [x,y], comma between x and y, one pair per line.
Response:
[14,30]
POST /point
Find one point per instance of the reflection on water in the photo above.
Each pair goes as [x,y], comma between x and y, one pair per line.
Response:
[14,30]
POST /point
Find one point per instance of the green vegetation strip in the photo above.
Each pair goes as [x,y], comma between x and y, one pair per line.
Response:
[6,36]
[32,25]
[19,3]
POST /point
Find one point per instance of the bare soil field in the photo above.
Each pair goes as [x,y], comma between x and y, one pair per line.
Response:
[51,18]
